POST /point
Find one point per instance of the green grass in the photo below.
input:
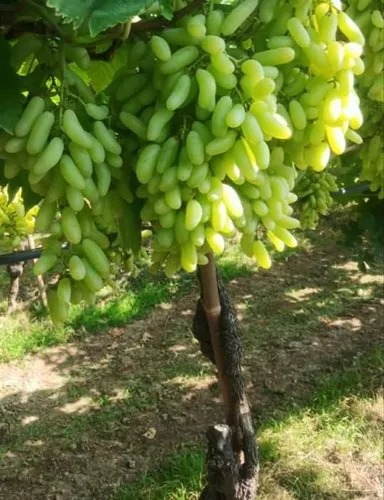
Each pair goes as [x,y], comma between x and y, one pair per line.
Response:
[304,454]
[179,479]
[30,330]
[311,440]
[130,303]
[21,334]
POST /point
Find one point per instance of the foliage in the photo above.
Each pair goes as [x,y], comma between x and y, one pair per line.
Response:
[95,16]
[15,222]
[202,127]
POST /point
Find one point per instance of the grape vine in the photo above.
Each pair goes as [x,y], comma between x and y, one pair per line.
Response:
[189,124]
[211,129]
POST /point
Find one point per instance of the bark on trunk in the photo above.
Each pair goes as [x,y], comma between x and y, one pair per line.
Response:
[14,272]
[39,278]
[232,460]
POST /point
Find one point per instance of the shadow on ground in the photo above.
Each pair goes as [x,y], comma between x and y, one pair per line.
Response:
[79,420]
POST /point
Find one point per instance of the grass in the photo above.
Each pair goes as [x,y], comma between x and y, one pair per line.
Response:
[30,330]
[179,479]
[304,455]
[321,441]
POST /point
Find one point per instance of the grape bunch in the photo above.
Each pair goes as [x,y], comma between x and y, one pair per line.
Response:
[15,222]
[372,158]
[217,130]
[368,15]
[313,190]
[62,144]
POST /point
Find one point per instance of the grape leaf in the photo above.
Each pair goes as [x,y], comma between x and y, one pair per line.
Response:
[101,73]
[10,94]
[98,15]
[166,9]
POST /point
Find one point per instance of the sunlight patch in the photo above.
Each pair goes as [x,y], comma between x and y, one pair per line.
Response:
[353,324]
[302,293]
[80,406]
[29,419]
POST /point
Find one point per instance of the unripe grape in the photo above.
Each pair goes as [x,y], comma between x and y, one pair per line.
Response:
[260,253]
[195,26]
[298,32]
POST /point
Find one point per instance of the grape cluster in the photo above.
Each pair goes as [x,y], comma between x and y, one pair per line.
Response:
[313,190]
[208,122]
[15,222]
[318,82]
[368,15]
[71,158]
[372,158]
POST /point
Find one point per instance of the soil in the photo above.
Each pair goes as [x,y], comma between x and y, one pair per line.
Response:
[70,430]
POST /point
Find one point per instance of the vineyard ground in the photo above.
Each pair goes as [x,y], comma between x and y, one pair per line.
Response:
[121,414]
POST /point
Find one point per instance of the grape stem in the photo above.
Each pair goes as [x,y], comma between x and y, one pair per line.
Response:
[77,98]
[63,83]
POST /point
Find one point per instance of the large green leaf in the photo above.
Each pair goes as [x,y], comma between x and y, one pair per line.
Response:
[101,73]
[99,15]
[10,94]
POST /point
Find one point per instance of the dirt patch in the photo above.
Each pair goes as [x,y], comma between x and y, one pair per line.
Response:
[77,421]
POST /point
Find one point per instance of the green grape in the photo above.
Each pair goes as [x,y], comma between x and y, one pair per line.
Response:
[64,290]
[96,152]
[157,123]
[96,112]
[236,116]
[78,55]
[195,26]
[212,44]
[31,112]
[188,257]
[237,16]
[44,263]
[130,85]
[74,198]
[260,253]
[160,48]
[92,279]
[207,89]
[15,145]
[74,130]
[146,163]
[58,309]
[298,32]
[222,63]
[70,225]
[173,198]
[214,22]
[49,157]
[215,240]
[106,137]
[103,178]
[180,93]
[96,257]
[275,57]
[179,60]
[220,145]
[193,214]
[71,173]
[222,108]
